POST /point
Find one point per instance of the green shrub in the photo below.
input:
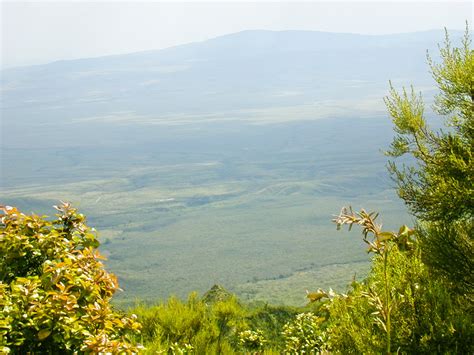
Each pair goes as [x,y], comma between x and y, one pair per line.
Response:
[54,292]
[304,335]
[204,328]
[400,305]
[270,320]
[252,339]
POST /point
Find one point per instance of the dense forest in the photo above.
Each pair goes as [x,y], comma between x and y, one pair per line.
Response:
[56,297]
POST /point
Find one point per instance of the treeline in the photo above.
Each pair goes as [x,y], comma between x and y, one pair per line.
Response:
[417,298]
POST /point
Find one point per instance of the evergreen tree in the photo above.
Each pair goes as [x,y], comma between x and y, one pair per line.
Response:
[438,187]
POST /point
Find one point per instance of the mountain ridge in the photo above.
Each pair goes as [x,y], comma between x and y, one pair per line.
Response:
[432,32]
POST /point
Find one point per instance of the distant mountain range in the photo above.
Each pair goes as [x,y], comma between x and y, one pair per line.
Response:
[250,70]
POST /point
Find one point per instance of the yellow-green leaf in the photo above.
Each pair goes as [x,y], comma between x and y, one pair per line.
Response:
[43,334]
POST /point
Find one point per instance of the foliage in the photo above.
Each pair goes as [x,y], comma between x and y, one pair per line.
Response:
[438,187]
[178,349]
[221,326]
[216,294]
[380,243]
[176,324]
[54,293]
[204,328]
[252,339]
[400,305]
[271,319]
[448,248]
[229,318]
[304,335]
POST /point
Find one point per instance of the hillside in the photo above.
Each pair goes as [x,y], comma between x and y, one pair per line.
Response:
[220,77]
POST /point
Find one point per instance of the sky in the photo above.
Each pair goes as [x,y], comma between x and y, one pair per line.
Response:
[37,32]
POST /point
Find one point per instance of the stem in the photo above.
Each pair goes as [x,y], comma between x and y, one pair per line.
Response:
[387,300]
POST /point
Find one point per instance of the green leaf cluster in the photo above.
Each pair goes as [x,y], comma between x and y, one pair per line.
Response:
[252,340]
[304,335]
[54,292]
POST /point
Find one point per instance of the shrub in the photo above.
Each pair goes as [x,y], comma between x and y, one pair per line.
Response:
[303,335]
[399,305]
[54,292]
[252,339]
[191,325]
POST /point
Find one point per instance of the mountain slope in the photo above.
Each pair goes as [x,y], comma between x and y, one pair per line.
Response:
[246,70]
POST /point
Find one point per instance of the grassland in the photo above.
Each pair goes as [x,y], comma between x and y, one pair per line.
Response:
[244,205]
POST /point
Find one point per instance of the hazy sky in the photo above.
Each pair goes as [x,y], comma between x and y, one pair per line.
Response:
[38,32]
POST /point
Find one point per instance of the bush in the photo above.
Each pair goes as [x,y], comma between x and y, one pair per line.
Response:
[399,305]
[54,292]
[303,335]
[252,340]
[203,328]
[270,320]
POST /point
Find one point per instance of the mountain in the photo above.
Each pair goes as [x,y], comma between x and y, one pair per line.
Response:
[242,71]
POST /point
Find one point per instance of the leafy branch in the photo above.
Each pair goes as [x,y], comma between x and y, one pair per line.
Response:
[380,243]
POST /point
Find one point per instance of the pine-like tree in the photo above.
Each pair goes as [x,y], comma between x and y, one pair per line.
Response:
[438,187]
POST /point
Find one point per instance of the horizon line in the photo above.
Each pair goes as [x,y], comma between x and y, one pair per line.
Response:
[221,36]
